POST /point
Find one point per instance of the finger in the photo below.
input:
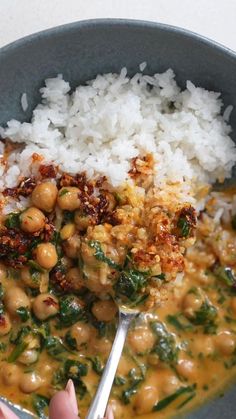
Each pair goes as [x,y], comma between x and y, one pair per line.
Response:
[64,405]
[6,413]
[109,413]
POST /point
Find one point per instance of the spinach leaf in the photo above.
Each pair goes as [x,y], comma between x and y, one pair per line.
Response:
[68,217]
[165,346]
[189,398]
[135,380]
[162,404]
[70,311]
[18,335]
[75,369]
[23,313]
[184,226]
[206,316]
[13,220]
[96,365]
[100,255]
[55,347]
[129,283]
[233,222]
[119,381]
[226,275]
[17,351]
[39,403]
[70,341]
[179,321]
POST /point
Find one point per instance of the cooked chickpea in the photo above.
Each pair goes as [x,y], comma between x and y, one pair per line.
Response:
[170,383]
[204,345]
[15,298]
[124,366]
[68,198]
[117,408]
[141,339]
[11,374]
[67,231]
[105,310]
[3,272]
[5,324]
[82,333]
[186,368]
[46,255]
[102,346]
[233,305]
[26,277]
[32,220]
[191,303]
[82,221]
[30,382]
[45,306]
[44,196]
[28,357]
[71,246]
[74,279]
[225,343]
[146,398]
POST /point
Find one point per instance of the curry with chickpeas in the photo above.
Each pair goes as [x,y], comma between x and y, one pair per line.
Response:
[78,247]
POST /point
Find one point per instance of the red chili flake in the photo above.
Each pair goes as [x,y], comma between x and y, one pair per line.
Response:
[49,301]
[25,188]
[47,171]
[2,320]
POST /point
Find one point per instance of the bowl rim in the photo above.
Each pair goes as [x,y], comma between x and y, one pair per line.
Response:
[109,22]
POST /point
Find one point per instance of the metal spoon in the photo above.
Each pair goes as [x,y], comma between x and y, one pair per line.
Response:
[99,404]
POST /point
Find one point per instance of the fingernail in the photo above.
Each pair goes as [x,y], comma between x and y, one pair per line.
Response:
[109,413]
[6,413]
[70,389]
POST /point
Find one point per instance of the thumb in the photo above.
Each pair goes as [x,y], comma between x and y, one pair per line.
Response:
[64,405]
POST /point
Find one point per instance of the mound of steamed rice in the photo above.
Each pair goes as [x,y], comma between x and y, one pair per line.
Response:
[102,125]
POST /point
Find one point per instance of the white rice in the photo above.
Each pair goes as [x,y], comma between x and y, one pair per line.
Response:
[101,126]
[24,102]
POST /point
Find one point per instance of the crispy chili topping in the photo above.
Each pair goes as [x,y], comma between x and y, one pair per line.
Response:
[25,188]
[141,166]
[47,171]
[14,245]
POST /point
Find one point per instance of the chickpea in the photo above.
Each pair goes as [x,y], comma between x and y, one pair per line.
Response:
[11,374]
[191,303]
[117,408]
[170,383]
[71,246]
[124,366]
[105,310]
[82,221]
[82,333]
[46,255]
[68,198]
[146,398]
[5,324]
[102,346]
[30,382]
[32,220]
[26,277]
[225,343]
[67,231]
[15,298]
[232,304]
[74,279]
[45,306]
[204,345]
[3,272]
[44,196]
[29,356]
[141,339]
[186,368]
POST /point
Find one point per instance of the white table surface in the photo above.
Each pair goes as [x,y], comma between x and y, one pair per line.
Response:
[215,19]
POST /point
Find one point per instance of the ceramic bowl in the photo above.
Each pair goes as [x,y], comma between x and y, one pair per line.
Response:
[82,50]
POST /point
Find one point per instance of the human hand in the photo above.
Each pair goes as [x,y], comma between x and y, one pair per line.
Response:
[63,405]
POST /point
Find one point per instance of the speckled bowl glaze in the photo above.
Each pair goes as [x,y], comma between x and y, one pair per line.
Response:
[81,50]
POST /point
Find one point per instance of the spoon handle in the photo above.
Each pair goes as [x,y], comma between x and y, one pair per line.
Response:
[99,404]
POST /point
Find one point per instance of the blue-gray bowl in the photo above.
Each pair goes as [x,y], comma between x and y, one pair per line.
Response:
[81,50]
